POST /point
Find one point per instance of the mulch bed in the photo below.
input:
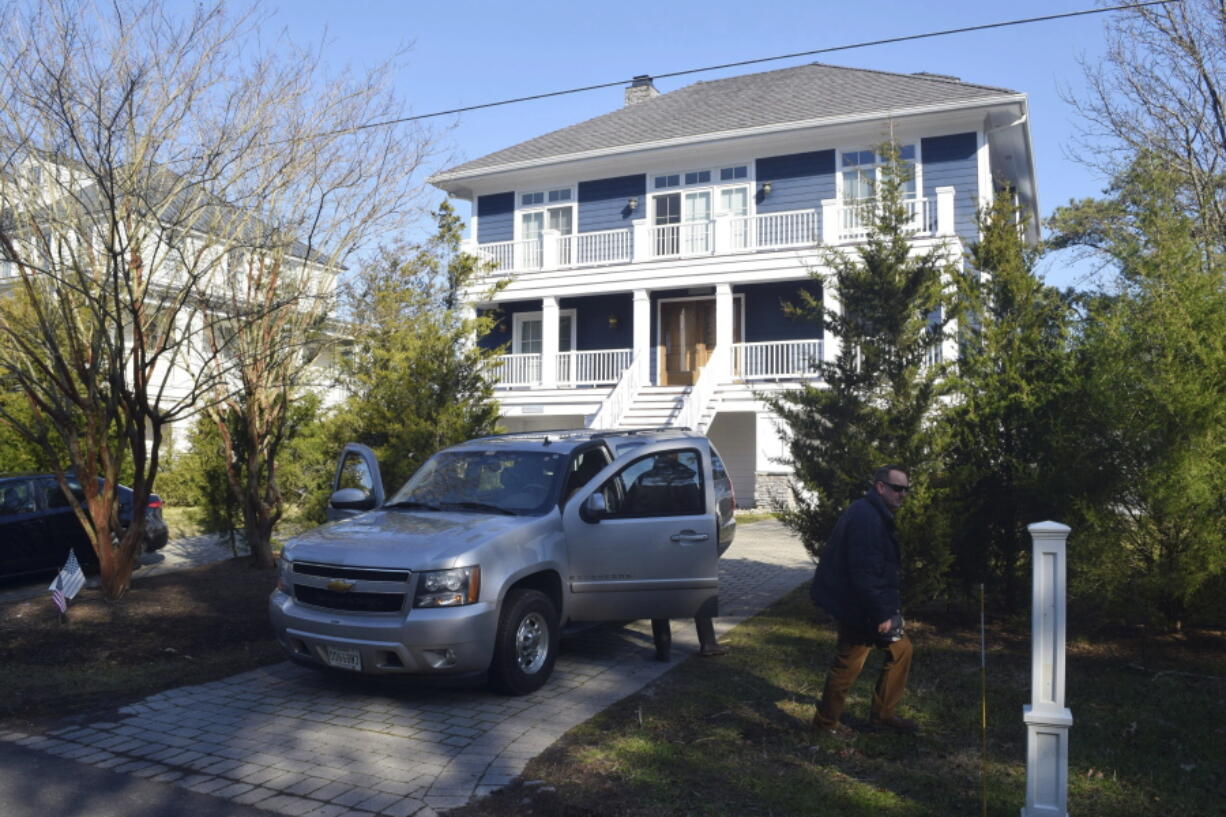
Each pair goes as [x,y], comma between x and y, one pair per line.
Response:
[176,628]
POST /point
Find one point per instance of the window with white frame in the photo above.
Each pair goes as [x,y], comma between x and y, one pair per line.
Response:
[540,197]
[528,332]
[862,169]
[681,217]
[546,210]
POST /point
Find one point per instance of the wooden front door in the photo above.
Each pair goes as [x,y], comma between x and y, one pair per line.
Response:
[687,336]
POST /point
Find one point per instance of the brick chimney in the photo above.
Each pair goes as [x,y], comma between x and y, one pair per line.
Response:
[640,90]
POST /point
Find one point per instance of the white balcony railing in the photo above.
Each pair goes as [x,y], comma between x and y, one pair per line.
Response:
[519,370]
[690,238]
[511,256]
[592,368]
[594,249]
[837,222]
[795,228]
[857,218]
[776,359]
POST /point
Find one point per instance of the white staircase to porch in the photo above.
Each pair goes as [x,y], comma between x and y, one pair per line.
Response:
[654,407]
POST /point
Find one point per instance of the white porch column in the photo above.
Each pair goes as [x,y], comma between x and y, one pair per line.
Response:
[831,345]
[1046,718]
[641,239]
[831,215]
[945,210]
[549,342]
[468,313]
[723,325]
[642,333]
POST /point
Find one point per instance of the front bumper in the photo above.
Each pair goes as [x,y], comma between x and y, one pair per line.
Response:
[441,641]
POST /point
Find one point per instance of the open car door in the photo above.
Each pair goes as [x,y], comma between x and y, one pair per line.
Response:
[643,539]
[357,486]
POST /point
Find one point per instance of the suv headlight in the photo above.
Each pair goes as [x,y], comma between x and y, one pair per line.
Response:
[285,577]
[448,588]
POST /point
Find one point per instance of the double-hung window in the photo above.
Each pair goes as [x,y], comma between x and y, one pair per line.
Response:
[547,210]
[862,171]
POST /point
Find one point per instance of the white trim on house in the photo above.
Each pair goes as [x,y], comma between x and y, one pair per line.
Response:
[987,192]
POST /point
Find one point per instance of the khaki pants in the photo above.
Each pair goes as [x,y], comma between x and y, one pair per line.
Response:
[849,659]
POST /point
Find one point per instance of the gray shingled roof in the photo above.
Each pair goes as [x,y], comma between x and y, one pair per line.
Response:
[800,94]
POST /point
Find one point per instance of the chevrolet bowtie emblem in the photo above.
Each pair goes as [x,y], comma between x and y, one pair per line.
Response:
[340,585]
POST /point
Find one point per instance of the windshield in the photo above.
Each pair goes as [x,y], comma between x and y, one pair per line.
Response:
[483,482]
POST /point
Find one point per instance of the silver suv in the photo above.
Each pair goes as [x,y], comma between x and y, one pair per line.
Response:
[496,544]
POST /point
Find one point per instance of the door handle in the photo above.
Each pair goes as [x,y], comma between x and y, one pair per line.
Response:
[689,536]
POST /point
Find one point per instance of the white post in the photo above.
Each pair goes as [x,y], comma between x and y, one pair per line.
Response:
[723,233]
[830,302]
[945,210]
[831,217]
[469,313]
[723,328]
[549,342]
[1046,718]
[641,240]
[642,333]
[549,249]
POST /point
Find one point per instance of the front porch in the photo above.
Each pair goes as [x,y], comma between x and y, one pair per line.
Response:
[616,354]
[763,360]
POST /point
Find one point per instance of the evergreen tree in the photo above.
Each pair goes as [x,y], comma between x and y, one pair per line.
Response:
[1153,362]
[875,397]
[417,380]
[1003,460]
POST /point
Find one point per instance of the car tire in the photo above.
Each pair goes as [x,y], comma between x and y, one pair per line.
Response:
[526,644]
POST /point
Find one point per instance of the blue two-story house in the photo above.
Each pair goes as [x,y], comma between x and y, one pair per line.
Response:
[649,250]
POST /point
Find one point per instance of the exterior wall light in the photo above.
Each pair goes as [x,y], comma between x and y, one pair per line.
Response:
[766,189]
[632,203]
[613,319]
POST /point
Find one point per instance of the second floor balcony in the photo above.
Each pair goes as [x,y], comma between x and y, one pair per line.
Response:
[835,223]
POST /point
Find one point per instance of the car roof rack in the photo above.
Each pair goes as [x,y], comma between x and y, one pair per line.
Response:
[556,433]
[547,435]
[633,431]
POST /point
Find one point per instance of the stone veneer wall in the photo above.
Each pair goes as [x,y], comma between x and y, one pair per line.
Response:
[772,491]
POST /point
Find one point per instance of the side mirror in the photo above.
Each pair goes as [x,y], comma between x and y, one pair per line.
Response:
[593,508]
[352,499]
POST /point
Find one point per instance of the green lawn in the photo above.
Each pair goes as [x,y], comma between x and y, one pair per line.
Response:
[729,736]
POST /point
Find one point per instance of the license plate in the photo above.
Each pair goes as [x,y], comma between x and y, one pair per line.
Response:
[344,658]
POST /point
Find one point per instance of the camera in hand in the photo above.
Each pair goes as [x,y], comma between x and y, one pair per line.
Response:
[893,634]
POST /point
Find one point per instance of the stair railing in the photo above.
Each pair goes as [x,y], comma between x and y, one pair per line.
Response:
[702,394]
[614,407]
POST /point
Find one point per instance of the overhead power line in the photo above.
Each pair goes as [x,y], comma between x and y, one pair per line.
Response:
[757,61]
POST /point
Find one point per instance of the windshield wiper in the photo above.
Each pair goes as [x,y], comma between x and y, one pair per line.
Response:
[412,503]
[479,506]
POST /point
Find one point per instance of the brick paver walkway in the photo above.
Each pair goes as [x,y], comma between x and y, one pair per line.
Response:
[296,742]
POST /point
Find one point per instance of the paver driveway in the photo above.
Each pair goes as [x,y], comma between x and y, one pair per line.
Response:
[293,741]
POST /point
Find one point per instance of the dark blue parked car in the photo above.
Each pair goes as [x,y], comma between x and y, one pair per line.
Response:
[38,527]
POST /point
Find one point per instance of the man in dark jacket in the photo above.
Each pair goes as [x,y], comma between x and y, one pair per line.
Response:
[857,582]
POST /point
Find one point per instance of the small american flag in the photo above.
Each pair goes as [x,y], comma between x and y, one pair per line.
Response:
[68,583]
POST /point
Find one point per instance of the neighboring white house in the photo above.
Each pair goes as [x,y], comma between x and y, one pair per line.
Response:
[187,241]
[649,249]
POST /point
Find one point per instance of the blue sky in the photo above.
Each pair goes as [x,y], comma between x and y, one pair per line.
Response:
[466,53]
